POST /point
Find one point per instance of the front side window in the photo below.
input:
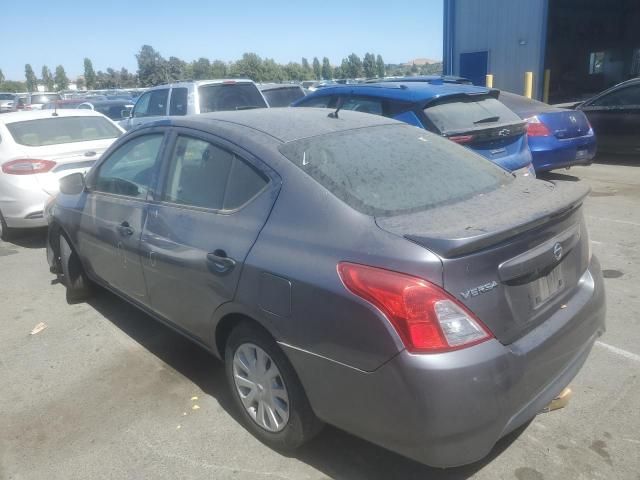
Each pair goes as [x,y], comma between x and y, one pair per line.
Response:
[204,175]
[152,104]
[129,170]
[623,97]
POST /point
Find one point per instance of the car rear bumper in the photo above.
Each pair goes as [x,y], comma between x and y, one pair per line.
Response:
[550,153]
[22,202]
[450,409]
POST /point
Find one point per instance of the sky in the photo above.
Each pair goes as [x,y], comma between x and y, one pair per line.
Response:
[111,32]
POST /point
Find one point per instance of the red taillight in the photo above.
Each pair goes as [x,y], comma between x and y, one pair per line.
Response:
[426,317]
[27,166]
[461,139]
[535,128]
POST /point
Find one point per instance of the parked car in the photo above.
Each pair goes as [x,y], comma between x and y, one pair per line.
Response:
[558,138]
[114,109]
[426,78]
[281,94]
[20,102]
[468,115]
[6,102]
[186,98]
[36,100]
[353,270]
[65,103]
[615,117]
[37,149]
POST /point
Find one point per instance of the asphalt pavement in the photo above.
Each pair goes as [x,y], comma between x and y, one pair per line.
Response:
[104,391]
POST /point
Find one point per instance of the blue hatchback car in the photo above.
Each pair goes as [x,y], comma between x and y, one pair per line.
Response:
[558,138]
[469,115]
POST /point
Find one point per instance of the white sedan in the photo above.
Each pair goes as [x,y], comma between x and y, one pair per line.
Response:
[37,148]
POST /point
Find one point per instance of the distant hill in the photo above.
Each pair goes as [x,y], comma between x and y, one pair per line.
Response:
[420,62]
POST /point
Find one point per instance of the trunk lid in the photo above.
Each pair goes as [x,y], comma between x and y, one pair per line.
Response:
[512,266]
[566,123]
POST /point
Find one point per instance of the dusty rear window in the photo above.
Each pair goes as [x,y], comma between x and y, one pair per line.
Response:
[394,169]
[465,114]
[229,96]
[58,130]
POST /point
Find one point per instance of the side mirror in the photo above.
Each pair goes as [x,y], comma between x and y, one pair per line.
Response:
[126,113]
[72,184]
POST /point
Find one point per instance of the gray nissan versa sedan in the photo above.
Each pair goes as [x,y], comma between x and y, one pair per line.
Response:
[349,269]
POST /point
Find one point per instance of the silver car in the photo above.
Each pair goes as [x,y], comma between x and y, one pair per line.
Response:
[194,97]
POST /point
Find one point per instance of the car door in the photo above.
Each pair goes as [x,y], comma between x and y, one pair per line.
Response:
[615,118]
[214,201]
[115,211]
[149,107]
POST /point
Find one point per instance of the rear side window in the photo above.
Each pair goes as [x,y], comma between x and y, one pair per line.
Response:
[282,97]
[464,114]
[178,104]
[363,104]
[318,102]
[129,170]
[152,103]
[204,175]
[229,96]
[58,130]
[44,98]
[394,169]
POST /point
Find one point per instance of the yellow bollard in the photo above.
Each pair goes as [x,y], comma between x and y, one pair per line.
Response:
[490,81]
[528,84]
[547,81]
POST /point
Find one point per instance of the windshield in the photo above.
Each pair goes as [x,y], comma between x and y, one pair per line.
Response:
[229,96]
[114,112]
[282,97]
[59,130]
[463,114]
[44,98]
[394,169]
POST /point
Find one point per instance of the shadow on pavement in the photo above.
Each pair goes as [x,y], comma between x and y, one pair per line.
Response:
[563,177]
[336,453]
[621,160]
[29,238]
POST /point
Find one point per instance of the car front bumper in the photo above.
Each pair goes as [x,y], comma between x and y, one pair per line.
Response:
[450,409]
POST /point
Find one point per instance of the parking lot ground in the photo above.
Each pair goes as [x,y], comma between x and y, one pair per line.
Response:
[106,392]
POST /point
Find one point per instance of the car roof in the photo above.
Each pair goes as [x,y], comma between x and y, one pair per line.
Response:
[282,124]
[12,117]
[199,83]
[115,101]
[408,91]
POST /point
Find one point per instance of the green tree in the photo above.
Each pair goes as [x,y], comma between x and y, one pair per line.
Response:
[13,86]
[294,71]
[1,77]
[327,71]
[176,68]
[152,68]
[80,83]
[219,69]
[369,65]
[89,74]
[317,69]
[355,66]
[31,80]
[202,69]
[414,68]
[380,66]
[272,71]
[47,78]
[337,72]
[61,79]
[249,66]
[127,80]
[307,70]
[345,69]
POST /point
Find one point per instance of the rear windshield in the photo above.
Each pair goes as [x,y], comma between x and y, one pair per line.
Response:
[45,98]
[282,97]
[394,169]
[469,113]
[114,112]
[54,131]
[523,106]
[232,96]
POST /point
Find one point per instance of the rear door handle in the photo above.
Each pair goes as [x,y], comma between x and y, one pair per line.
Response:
[125,229]
[219,262]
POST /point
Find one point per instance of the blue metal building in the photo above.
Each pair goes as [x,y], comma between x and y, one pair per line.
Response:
[585,45]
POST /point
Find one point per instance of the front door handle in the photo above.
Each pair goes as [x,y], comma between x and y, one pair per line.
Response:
[125,229]
[219,262]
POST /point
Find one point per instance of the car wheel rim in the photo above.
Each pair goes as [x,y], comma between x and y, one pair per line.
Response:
[261,388]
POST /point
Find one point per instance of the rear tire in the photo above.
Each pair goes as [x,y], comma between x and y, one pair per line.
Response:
[294,421]
[6,233]
[73,275]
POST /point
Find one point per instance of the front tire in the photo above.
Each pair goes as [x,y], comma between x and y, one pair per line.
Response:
[266,390]
[73,275]
[6,233]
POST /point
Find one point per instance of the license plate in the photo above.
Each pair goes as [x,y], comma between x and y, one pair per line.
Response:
[580,154]
[546,287]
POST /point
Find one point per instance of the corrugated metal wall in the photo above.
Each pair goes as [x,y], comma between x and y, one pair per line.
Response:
[512,31]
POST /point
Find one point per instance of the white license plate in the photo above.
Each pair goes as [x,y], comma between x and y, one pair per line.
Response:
[546,287]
